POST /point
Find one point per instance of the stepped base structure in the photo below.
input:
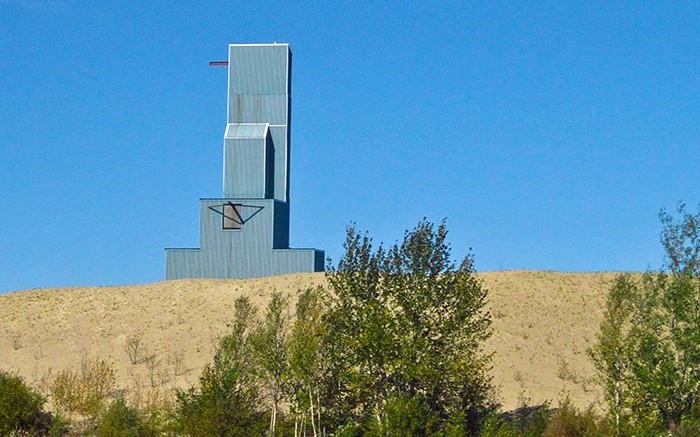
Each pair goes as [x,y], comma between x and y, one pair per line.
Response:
[245,234]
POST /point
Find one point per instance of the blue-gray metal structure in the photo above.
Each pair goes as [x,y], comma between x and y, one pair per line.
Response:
[245,234]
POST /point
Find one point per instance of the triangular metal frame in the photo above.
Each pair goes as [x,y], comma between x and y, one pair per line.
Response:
[236,207]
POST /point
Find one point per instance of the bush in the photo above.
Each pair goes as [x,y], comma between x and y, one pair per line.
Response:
[569,421]
[21,408]
[525,421]
[120,420]
[84,392]
[406,416]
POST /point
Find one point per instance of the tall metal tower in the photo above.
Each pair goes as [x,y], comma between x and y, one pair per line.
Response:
[245,233]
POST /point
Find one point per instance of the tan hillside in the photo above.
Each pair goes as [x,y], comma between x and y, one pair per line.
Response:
[543,324]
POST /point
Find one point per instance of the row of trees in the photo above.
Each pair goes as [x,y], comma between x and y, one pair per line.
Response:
[393,346]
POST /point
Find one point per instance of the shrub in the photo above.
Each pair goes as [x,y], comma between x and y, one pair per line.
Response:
[120,420]
[569,421]
[406,416]
[525,421]
[84,392]
[134,348]
[21,408]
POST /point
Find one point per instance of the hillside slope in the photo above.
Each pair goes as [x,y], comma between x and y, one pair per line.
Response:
[543,324]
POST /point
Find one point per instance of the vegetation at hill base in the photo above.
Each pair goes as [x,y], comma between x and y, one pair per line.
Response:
[648,350]
[393,345]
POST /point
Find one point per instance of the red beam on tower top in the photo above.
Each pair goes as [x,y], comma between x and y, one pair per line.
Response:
[218,63]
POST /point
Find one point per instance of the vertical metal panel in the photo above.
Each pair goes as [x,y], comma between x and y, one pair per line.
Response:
[279,141]
[259,69]
[258,108]
[244,168]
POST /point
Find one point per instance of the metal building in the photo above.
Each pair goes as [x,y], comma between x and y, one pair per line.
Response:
[245,234]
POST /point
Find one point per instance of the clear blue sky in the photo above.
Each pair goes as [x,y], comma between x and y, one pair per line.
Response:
[548,133]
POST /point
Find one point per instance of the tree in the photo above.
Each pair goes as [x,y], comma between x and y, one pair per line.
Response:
[270,344]
[611,353]
[21,408]
[227,399]
[406,327]
[120,420]
[308,360]
[653,359]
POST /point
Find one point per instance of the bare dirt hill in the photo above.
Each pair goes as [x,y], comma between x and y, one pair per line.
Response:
[543,324]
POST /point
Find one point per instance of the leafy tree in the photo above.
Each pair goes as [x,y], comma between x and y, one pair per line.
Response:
[408,324]
[226,402]
[611,354]
[361,340]
[120,420]
[270,345]
[308,360]
[439,309]
[650,363]
[21,408]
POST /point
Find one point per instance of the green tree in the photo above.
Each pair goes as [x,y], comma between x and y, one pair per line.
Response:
[21,408]
[654,357]
[407,325]
[611,353]
[308,360]
[120,420]
[439,310]
[270,346]
[227,399]
[361,339]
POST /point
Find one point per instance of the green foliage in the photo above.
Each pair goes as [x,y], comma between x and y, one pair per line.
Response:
[120,420]
[227,400]
[406,417]
[308,359]
[84,392]
[612,350]
[270,349]
[526,421]
[569,421]
[647,353]
[21,408]
[407,322]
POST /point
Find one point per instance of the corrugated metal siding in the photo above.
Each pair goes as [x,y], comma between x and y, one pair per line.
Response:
[245,253]
[255,232]
[244,168]
[279,141]
[259,69]
[183,263]
[257,108]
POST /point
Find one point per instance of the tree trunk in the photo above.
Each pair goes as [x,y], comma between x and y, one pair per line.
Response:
[311,401]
